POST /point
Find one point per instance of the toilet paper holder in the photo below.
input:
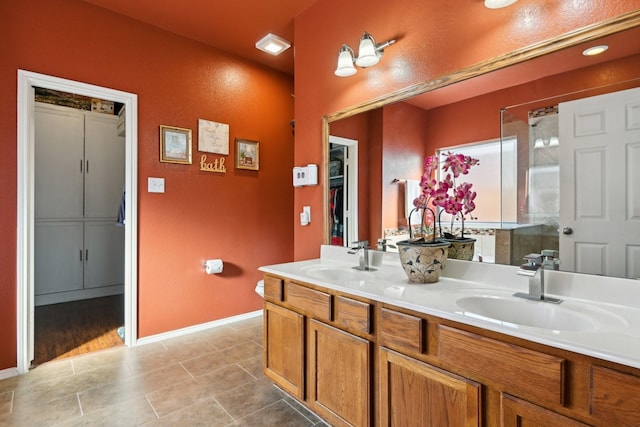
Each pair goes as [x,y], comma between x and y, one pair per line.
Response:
[213,266]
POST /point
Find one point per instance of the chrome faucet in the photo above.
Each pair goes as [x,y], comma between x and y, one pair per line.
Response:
[383,245]
[534,269]
[364,259]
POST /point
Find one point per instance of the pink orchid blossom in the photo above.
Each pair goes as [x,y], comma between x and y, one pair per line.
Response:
[456,200]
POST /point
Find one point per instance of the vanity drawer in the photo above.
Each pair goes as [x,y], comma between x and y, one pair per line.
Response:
[615,396]
[273,288]
[316,304]
[353,314]
[514,369]
[402,332]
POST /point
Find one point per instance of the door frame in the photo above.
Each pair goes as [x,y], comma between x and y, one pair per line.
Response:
[25,204]
[351,179]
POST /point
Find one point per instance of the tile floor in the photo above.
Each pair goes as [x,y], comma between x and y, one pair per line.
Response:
[209,378]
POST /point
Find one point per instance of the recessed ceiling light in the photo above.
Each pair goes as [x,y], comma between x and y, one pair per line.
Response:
[595,50]
[497,4]
[273,44]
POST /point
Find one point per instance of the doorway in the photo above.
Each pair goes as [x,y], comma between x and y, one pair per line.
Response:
[343,190]
[79,239]
[27,81]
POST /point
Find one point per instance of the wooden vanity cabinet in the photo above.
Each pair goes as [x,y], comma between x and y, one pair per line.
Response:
[357,362]
[520,413]
[339,376]
[284,354]
[416,394]
[317,347]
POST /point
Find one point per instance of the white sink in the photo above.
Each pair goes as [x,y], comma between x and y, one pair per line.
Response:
[516,312]
[338,273]
[348,274]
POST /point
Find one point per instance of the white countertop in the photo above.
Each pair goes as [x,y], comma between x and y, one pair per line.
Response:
[610,306]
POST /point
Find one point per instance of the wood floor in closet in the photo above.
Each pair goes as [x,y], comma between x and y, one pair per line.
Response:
[77,327]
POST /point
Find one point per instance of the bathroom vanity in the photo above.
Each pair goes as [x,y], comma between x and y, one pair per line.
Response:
[367,348]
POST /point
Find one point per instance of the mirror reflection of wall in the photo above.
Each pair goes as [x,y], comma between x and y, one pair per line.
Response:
[537,203]
[470,111]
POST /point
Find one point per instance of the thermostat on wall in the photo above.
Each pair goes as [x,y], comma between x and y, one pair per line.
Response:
[305,175]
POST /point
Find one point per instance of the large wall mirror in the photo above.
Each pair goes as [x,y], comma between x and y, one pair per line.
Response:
[517,103]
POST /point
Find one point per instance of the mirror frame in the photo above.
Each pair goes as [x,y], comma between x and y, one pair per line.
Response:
[570,39]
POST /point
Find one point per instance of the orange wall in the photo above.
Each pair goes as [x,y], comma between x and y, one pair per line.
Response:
[482,113]
[243,217]
[434,39]
[405,138]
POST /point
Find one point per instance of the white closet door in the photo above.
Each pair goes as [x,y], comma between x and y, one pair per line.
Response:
[59,257]
[105,159]
[104,256]
[59,154]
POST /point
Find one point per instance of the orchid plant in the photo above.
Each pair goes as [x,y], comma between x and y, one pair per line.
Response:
[453,198]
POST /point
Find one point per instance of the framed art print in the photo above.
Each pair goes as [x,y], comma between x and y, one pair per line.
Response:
[175,145]
[247,154]
[213,137]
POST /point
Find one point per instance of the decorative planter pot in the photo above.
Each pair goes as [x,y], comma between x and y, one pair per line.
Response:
[461,248]
[423,262]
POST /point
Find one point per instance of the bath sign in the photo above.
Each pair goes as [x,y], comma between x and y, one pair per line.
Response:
[217,165]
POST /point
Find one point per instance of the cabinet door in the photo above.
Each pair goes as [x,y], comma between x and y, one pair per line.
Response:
[284,348]
[104,171]
[59,163]
[339,375]
[104,254]
[520,413]
[58,257]
[413,393]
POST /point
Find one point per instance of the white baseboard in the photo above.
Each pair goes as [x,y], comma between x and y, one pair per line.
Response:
[88,293]
[8,373]
[198,328]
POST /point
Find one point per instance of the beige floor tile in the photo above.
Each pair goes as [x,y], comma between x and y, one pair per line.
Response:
[99,359]
[277,414]
[235,337]
[182,349]
[108,395]
[128,413]
[6,402]
[249,398]
[141,364]
[204,364]
[303,410]
[44,413]
[253,366]
[248,323]
[225,379]
[58,388]
[177,396]
[9,384]
[204,413]
[241,352]
[46,372]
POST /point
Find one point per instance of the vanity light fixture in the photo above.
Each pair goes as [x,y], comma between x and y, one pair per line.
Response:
[345,62]
[498,4]
[272,44]
[369,54]
[595,50]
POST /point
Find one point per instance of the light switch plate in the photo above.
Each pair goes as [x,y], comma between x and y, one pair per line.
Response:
[156,185]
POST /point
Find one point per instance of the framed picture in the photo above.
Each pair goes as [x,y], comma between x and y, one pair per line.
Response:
[175,145]
[247,154]
[213,137]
